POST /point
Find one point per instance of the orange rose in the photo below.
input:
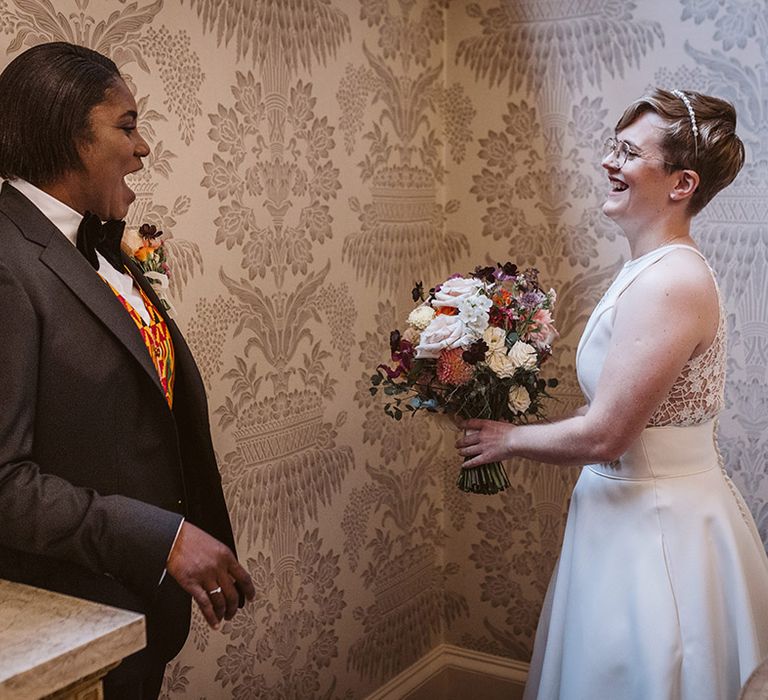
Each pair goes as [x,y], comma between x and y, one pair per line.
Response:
[143,253]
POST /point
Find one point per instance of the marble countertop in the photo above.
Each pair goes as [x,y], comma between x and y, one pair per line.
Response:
[48,640]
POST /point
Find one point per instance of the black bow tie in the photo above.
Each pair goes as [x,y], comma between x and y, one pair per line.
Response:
[92,235]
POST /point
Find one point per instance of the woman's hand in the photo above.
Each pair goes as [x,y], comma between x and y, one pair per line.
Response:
[484,441]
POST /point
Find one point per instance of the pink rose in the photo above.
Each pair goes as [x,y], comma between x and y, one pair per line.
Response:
[443,332]
[543,332]
[455,290]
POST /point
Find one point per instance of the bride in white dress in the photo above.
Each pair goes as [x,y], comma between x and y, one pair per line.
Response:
[661,588]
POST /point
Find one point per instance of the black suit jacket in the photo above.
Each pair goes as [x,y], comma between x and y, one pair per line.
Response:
[95,469]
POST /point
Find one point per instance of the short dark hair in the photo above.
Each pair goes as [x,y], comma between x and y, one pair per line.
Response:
[46,97]
[716,153]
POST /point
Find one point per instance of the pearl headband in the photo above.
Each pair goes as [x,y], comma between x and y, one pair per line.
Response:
[692,115]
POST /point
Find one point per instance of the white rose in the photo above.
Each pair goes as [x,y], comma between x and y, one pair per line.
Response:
[454,291]
[500,363]
[131,241]
[519,399]
[495,338]
[420,317]
[443,332]
[523,355]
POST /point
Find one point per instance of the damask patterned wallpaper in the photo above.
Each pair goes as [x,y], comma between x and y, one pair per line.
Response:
[311,159]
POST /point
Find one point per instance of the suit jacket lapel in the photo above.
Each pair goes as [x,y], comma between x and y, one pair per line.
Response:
[77,274]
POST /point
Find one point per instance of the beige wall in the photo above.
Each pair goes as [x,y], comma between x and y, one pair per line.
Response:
[311,159]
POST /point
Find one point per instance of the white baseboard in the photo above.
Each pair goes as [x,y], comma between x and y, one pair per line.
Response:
[450,656]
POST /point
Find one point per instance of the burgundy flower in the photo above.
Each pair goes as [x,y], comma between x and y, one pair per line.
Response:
[485,273]
[502,318]
[475,352]
[506,271]
[149,232]
[394,341]
[403,353]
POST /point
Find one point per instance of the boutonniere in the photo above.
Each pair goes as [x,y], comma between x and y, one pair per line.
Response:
[145,247]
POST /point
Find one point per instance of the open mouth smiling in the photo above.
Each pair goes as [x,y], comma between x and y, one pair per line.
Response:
[617,185]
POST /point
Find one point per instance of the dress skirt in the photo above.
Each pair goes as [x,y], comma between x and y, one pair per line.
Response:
[661,589]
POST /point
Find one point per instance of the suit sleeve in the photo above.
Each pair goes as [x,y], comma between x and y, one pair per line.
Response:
[44,514]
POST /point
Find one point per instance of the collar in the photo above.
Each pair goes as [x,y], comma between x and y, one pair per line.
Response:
[62,216]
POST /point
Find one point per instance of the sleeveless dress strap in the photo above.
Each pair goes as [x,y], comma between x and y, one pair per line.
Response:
[635,267]
[627,275]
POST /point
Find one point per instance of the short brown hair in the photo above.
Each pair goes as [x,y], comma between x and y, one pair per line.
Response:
[46,97]
[716,153]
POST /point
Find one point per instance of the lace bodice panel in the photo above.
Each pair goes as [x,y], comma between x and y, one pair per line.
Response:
[698,394]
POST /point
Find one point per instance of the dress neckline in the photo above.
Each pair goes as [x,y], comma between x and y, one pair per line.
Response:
[633,261]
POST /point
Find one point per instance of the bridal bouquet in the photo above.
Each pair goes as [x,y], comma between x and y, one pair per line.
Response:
[473,347]
[145,246]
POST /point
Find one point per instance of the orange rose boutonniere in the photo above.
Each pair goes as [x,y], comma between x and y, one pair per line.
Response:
[145,246]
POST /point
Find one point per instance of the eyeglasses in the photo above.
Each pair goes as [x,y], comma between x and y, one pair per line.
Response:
[621,151]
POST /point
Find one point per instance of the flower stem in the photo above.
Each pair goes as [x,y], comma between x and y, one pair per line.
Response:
[486,479]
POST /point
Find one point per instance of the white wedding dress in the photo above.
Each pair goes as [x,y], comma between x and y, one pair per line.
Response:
[661,589]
